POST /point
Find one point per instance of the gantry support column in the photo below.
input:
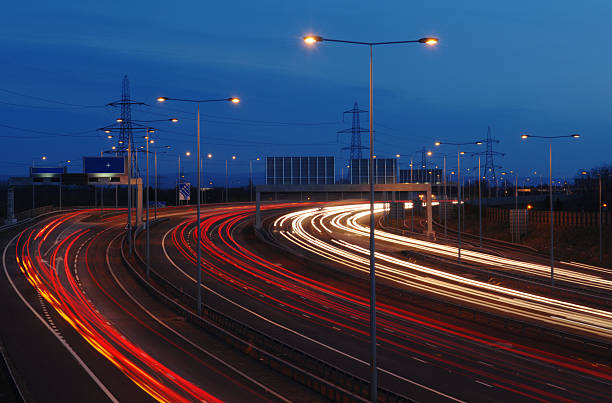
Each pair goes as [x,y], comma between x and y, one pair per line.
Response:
[257,210]
[10,206]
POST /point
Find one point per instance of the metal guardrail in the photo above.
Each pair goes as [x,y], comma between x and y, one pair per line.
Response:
[322,377]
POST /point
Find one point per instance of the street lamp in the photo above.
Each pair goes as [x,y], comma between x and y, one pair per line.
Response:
[234,100]
[227,180]
[459,153]
[311,40]
[550,184]
[251,178]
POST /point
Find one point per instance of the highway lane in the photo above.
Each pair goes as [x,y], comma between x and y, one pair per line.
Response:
[51,359]
[319,310]
[62,260]
[312,230]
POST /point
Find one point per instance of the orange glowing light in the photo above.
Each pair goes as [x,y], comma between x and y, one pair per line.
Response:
[529,207]
[235,100]
[312,39]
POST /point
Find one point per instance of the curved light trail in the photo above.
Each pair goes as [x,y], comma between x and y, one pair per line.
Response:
[317,304]
[56,283]
[555,312]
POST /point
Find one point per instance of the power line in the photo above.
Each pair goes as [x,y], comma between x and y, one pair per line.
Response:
[53,101]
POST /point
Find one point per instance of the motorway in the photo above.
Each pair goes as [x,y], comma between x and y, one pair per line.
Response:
[67,272]
[305,285]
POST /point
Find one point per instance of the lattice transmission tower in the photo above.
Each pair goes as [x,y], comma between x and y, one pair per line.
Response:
[125,123]
[490,173]
[355,130]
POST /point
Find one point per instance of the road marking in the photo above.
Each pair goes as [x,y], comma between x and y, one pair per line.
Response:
[418,359]
[486,363]
[59,337]
[485,384]
[317,342]
[555,386]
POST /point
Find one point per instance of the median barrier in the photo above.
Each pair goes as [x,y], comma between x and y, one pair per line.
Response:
[331,382]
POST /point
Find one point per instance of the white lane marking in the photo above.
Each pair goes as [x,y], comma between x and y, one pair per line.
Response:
[162,323]
[555,386]
[418,359]
[486,363]
[89,372]
[437,392]
[485,384]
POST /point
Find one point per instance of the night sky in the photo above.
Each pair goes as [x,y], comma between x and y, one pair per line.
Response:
[534,66]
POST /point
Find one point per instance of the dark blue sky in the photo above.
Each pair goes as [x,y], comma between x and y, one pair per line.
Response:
[533,66]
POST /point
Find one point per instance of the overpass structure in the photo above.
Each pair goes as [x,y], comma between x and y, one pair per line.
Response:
[345,192]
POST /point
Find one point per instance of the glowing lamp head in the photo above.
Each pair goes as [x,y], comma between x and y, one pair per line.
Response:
[397,155]
[478,143]
[113,148]
[576,136]
[529,207]
[107,131]
[429,153]
[151,141]
[584,172]
[188,153]
[429,41]
[150,131]
[524,136]
[312,39]
[209,156]
[109,136]
[437,143]
[233,157]
[162,99]
[44,157]
[234,100]
[119,120]
[174,120]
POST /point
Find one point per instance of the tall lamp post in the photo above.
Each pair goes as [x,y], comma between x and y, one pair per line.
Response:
[550,185]
[251,178]
[311,40]
[227,180]
[233,100]
[459,153]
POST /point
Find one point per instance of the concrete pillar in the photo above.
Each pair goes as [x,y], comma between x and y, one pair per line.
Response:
[257,210]
[430,232]
[10,206]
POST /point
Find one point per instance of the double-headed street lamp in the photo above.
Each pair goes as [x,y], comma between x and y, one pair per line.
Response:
[311,40]
[459,153]
[233,100]
[550,184]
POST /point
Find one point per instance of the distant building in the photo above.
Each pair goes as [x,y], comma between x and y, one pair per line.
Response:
[385,170]
[429,175]
[300,170]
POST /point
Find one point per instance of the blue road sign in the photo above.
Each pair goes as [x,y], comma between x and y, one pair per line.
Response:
[185,191]
[104,165]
